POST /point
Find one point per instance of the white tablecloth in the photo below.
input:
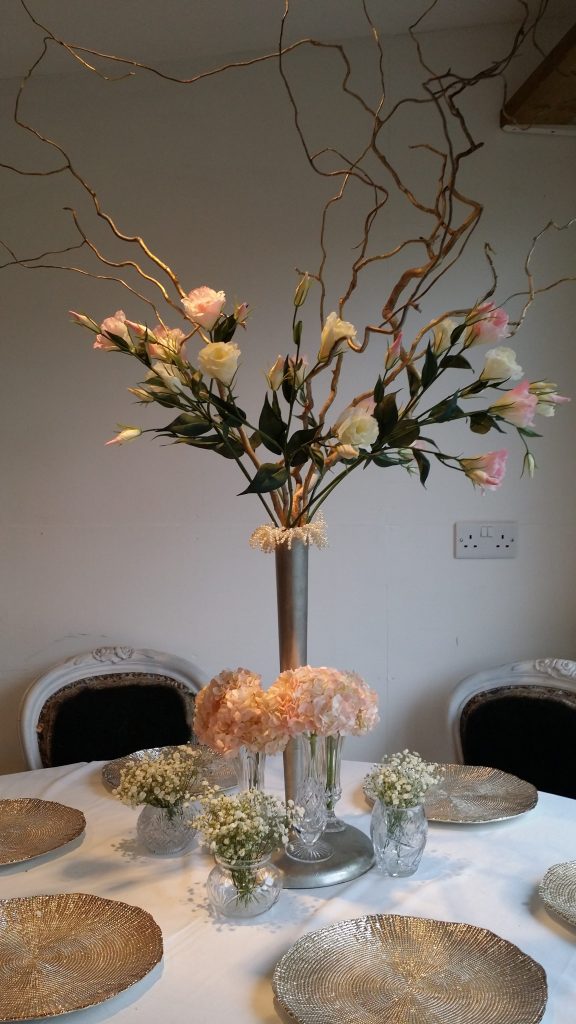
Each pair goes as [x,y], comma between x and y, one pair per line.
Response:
[218,972]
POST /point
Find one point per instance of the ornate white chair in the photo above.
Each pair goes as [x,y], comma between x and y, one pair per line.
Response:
[108,703]
[520,718]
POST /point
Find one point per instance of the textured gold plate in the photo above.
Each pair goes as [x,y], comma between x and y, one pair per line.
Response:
[389,969]
[68,951]
[558,890]
[30,827]
[471,795]
[217,770]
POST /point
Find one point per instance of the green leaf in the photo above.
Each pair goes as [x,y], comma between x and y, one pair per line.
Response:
[272,428]
[476,387]
[288,389]
[413,379]
[430,368]
[229,411]
[297,332]
[298,448]
[482,422]
[255,439]
[386,414]
[383,460]
[189,425]
[225,328]
[455,362]
[423,465]
[268,478]
[378,391]
[528,432]
[457,333]
[405,433]
[446,410]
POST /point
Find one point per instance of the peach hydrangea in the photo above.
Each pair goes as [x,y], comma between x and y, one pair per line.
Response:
[324,701]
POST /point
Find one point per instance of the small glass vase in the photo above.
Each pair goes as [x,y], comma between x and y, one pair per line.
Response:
[399,837]
[332,761]
[252,769]
[163,830]
[311,797]
[243,888]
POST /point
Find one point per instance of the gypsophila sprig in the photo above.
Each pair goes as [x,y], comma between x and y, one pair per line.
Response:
[401,779]
[244,826]
[169,781]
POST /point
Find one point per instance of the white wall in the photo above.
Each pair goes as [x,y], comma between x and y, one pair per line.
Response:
[148,545]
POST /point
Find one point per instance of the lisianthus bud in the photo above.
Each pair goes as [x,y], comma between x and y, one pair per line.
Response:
[125,434]
[441,332]
[302,289]
[85,321]
[529,465]
[275,374]
[393,352]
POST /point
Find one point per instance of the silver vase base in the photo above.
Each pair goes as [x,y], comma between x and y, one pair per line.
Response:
[318,851]
[352,855]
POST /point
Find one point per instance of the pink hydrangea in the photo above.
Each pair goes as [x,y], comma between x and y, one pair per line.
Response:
[212,718]
[324,701]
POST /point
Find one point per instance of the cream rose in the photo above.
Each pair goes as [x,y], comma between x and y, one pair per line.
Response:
[334,337]
[219,359]
[500,364]
[357,427]
[203,306]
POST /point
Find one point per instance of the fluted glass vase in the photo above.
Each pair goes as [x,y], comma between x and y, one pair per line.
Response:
[332,762]
[307,844]
[252,769]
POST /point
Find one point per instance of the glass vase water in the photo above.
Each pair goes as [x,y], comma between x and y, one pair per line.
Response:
[165,830]
[311,797]
[243,888]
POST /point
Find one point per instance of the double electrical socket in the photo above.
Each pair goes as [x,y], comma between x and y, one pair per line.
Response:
[485,540]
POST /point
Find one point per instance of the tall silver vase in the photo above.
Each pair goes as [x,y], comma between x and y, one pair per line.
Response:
[292,597]
[353,853]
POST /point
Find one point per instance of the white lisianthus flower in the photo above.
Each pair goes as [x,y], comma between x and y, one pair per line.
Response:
[169,374]
[357,426]
[442,332]
[334,337]
[219,360]
[500,364]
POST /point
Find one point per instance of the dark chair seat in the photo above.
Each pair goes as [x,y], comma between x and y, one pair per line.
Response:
[528,731]
[109,716]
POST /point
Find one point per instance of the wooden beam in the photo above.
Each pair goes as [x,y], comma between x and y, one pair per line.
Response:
[547,99]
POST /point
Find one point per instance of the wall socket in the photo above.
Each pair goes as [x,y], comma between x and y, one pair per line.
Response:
[485,540]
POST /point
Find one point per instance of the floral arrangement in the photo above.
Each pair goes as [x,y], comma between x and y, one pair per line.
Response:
[233,711]
[168,781]
[324,702]
[401,779]
[315,450]
[242,828]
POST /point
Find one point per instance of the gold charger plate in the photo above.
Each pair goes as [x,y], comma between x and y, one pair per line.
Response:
[472,795]
[31,827]
[217,770]
[558,890]
[408,970]
[69,951]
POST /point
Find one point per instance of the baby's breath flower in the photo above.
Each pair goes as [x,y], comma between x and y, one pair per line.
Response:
[161,781]
[401,779]
[243,826]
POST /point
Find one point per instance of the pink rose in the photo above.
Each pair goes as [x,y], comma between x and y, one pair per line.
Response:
[486,325]
[203,306]
[486,470]
[516,406]
[112,325]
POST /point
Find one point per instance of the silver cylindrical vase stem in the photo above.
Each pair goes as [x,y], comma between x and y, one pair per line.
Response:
[292,597]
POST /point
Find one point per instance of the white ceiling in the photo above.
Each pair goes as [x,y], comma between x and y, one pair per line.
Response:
[158,31]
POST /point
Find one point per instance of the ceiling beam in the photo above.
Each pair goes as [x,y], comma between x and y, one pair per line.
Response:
[546,102]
